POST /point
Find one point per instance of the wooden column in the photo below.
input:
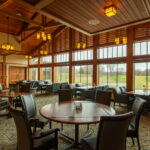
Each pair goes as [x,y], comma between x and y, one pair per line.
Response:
[129,80]
[53,61]
[4,73]
[95,43]
[39,69]
[70,55]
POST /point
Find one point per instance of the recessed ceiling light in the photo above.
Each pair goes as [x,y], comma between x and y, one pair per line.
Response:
[18,14]
[94,21]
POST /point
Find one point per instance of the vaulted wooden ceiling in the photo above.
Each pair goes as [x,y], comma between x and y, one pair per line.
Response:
[26,17]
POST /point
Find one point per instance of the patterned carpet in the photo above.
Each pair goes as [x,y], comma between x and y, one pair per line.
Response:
[8,130]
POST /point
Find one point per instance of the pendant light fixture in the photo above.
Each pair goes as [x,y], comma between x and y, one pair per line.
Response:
[44,52]
[8,45]
[120,37]
[43,34]
[81,44]
[28,57]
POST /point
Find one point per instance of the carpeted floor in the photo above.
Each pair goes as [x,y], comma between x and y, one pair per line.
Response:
[8,130]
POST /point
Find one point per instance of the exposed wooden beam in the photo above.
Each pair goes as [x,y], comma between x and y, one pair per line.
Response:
[6,52]
[30,35]
[43,3]
[59,30]
[53,16]
[5,4]
[26,24]
[21,18]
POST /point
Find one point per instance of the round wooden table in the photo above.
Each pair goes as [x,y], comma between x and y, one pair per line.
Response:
[66,112]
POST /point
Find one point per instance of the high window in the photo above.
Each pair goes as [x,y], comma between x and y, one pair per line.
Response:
[62,57]
[83,74]
[34,61]
[112,74]
[62,74]
[46,73]
[142,48]
[34,73]
[83,55]
[112,52]
[46,59]
[142,75]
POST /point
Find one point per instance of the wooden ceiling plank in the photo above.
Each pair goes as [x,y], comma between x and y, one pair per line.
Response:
[5,4]
[25,25]
[43,12]
[59,30]
[43,3]
[21,18]
[30,35]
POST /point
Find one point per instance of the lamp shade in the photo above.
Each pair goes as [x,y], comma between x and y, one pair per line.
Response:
[124,40]
[84,45]
[41,52]
[78,45]
[117,41]
[110,10]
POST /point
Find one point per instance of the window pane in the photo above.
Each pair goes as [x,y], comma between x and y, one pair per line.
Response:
[46,59]
[124,50]
[105,52]
[140,75]
[120,51]
[102,74]
[137,49]
[122,75]
[34,73]
[112,75]
[143,48]
[148,47]
[115,51]
[34,61]
[110,52]
[62,57]
[46,73]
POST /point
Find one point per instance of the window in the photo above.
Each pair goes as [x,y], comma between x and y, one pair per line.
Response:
[34,73]
[62,74]
[83,55]
[47,59]
[142,75]
[112,74]
[34,61]
[62,57]
[142,48]
[83,74]
[46,73]
[112,52]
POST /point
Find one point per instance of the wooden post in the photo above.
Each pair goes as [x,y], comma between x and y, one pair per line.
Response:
[53,61]
[70,55]
[129,80]
[39,69]
[95,43]
[4,73]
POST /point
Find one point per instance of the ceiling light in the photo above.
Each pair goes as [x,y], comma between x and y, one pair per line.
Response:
[93,21]
[19,14]
[124,40]
[110,10]
[117,41]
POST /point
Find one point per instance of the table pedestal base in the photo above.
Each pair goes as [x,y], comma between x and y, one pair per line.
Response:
[75,142]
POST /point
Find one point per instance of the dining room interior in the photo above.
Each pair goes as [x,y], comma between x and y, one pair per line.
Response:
[75,74]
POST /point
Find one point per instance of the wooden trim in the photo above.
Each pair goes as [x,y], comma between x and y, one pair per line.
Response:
[129,81]
[4,73]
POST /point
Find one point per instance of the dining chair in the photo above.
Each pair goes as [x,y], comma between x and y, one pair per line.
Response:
[29,106]
[41,140]
[65,95]
[133,130]
[111,134]
[103,97]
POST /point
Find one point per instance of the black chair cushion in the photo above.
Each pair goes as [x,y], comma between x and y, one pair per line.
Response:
[89,143]
[123,90]
[44,143]
[131,131]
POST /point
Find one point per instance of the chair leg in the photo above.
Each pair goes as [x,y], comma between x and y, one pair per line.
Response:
[132,141]
[88,127]
[138,142]
[61,126]
[50,124]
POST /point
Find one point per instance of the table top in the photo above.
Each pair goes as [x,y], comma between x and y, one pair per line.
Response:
[65,112]
[11,94]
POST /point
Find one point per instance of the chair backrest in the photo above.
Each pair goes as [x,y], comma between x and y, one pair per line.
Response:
[137,108]
[79,85]
[103,97]
[123,89]
[64,85]
[65,95]
[112,132]
[105,87]
[28,104]
[116,91]
[24,134]
[56,87]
